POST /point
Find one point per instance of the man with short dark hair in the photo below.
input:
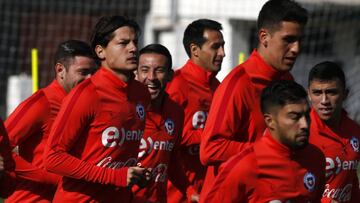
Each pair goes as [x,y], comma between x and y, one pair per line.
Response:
[334,132]
[29,124]
[164,124]
[235,119]
[95,138]
[193,87]
[281,166]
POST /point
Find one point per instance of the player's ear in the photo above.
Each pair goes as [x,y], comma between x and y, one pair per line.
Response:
[194,49]
[100,52]
[269,121]
[263,36]
[60,70]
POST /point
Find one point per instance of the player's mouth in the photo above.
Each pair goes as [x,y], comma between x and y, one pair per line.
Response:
[132,60]
[326,111]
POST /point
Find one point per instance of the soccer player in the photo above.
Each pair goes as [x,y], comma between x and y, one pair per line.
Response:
[235,119]
[334,132]
[30,123]
[193,87]
[7,165]
[95,138]
[281,166]
[163,129]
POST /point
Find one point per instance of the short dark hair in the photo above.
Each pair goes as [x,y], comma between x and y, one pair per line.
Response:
[281,93]
[194,32]
[158,49]
[104,29]
[326,71]
[68,50]
[276,11]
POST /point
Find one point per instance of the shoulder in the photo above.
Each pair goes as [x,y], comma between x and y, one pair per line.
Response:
[138,92]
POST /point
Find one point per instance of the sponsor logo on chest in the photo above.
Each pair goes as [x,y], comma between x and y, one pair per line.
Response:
[335,166]
[148,144]
[199,119]
[339,194]
[112,137]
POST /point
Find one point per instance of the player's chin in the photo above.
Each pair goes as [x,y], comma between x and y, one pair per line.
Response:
[301,143]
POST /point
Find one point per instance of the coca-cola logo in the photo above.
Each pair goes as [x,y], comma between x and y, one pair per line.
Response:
[339,194]
[108,162]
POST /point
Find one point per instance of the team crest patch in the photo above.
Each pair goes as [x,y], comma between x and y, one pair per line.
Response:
[140,110]
[309,181]
[355,144]
[169,126]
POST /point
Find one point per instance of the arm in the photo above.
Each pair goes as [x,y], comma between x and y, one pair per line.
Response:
[7,165]
[31,118]
[27,171]
[228,116]
[71,124]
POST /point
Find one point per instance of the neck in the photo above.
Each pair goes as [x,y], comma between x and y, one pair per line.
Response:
[122,74]
[334,123]
[157,103]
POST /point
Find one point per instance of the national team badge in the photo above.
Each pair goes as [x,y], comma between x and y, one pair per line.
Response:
[309,181]
[169,126]
[355,144]
[140,111]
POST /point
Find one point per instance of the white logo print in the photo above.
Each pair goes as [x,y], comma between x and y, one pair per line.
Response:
[169,126]
[334,167]
[108,162]
[111,136]
[146,146]
[355,144]
[199,119]
[309,181]
[140,110]
[338,194]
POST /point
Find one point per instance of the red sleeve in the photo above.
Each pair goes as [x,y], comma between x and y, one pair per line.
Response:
[178,90]
[7,176]
[27,171]
[234,179]
[29,119]
[226,117]
[71,124]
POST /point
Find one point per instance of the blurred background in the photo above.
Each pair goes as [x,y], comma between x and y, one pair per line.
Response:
[332,33]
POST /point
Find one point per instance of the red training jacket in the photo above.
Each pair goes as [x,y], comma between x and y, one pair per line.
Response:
[7,176]
[342,151]
[28,127]
[158,152]
[95,138]
[192,87]
[270,172]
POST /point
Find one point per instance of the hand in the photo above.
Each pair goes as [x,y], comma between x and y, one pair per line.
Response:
[2,168]
[194,198]
[139,176]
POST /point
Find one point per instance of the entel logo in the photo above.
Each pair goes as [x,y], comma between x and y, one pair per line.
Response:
[199,119]
[334,167]
[111,136]
[146,146]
